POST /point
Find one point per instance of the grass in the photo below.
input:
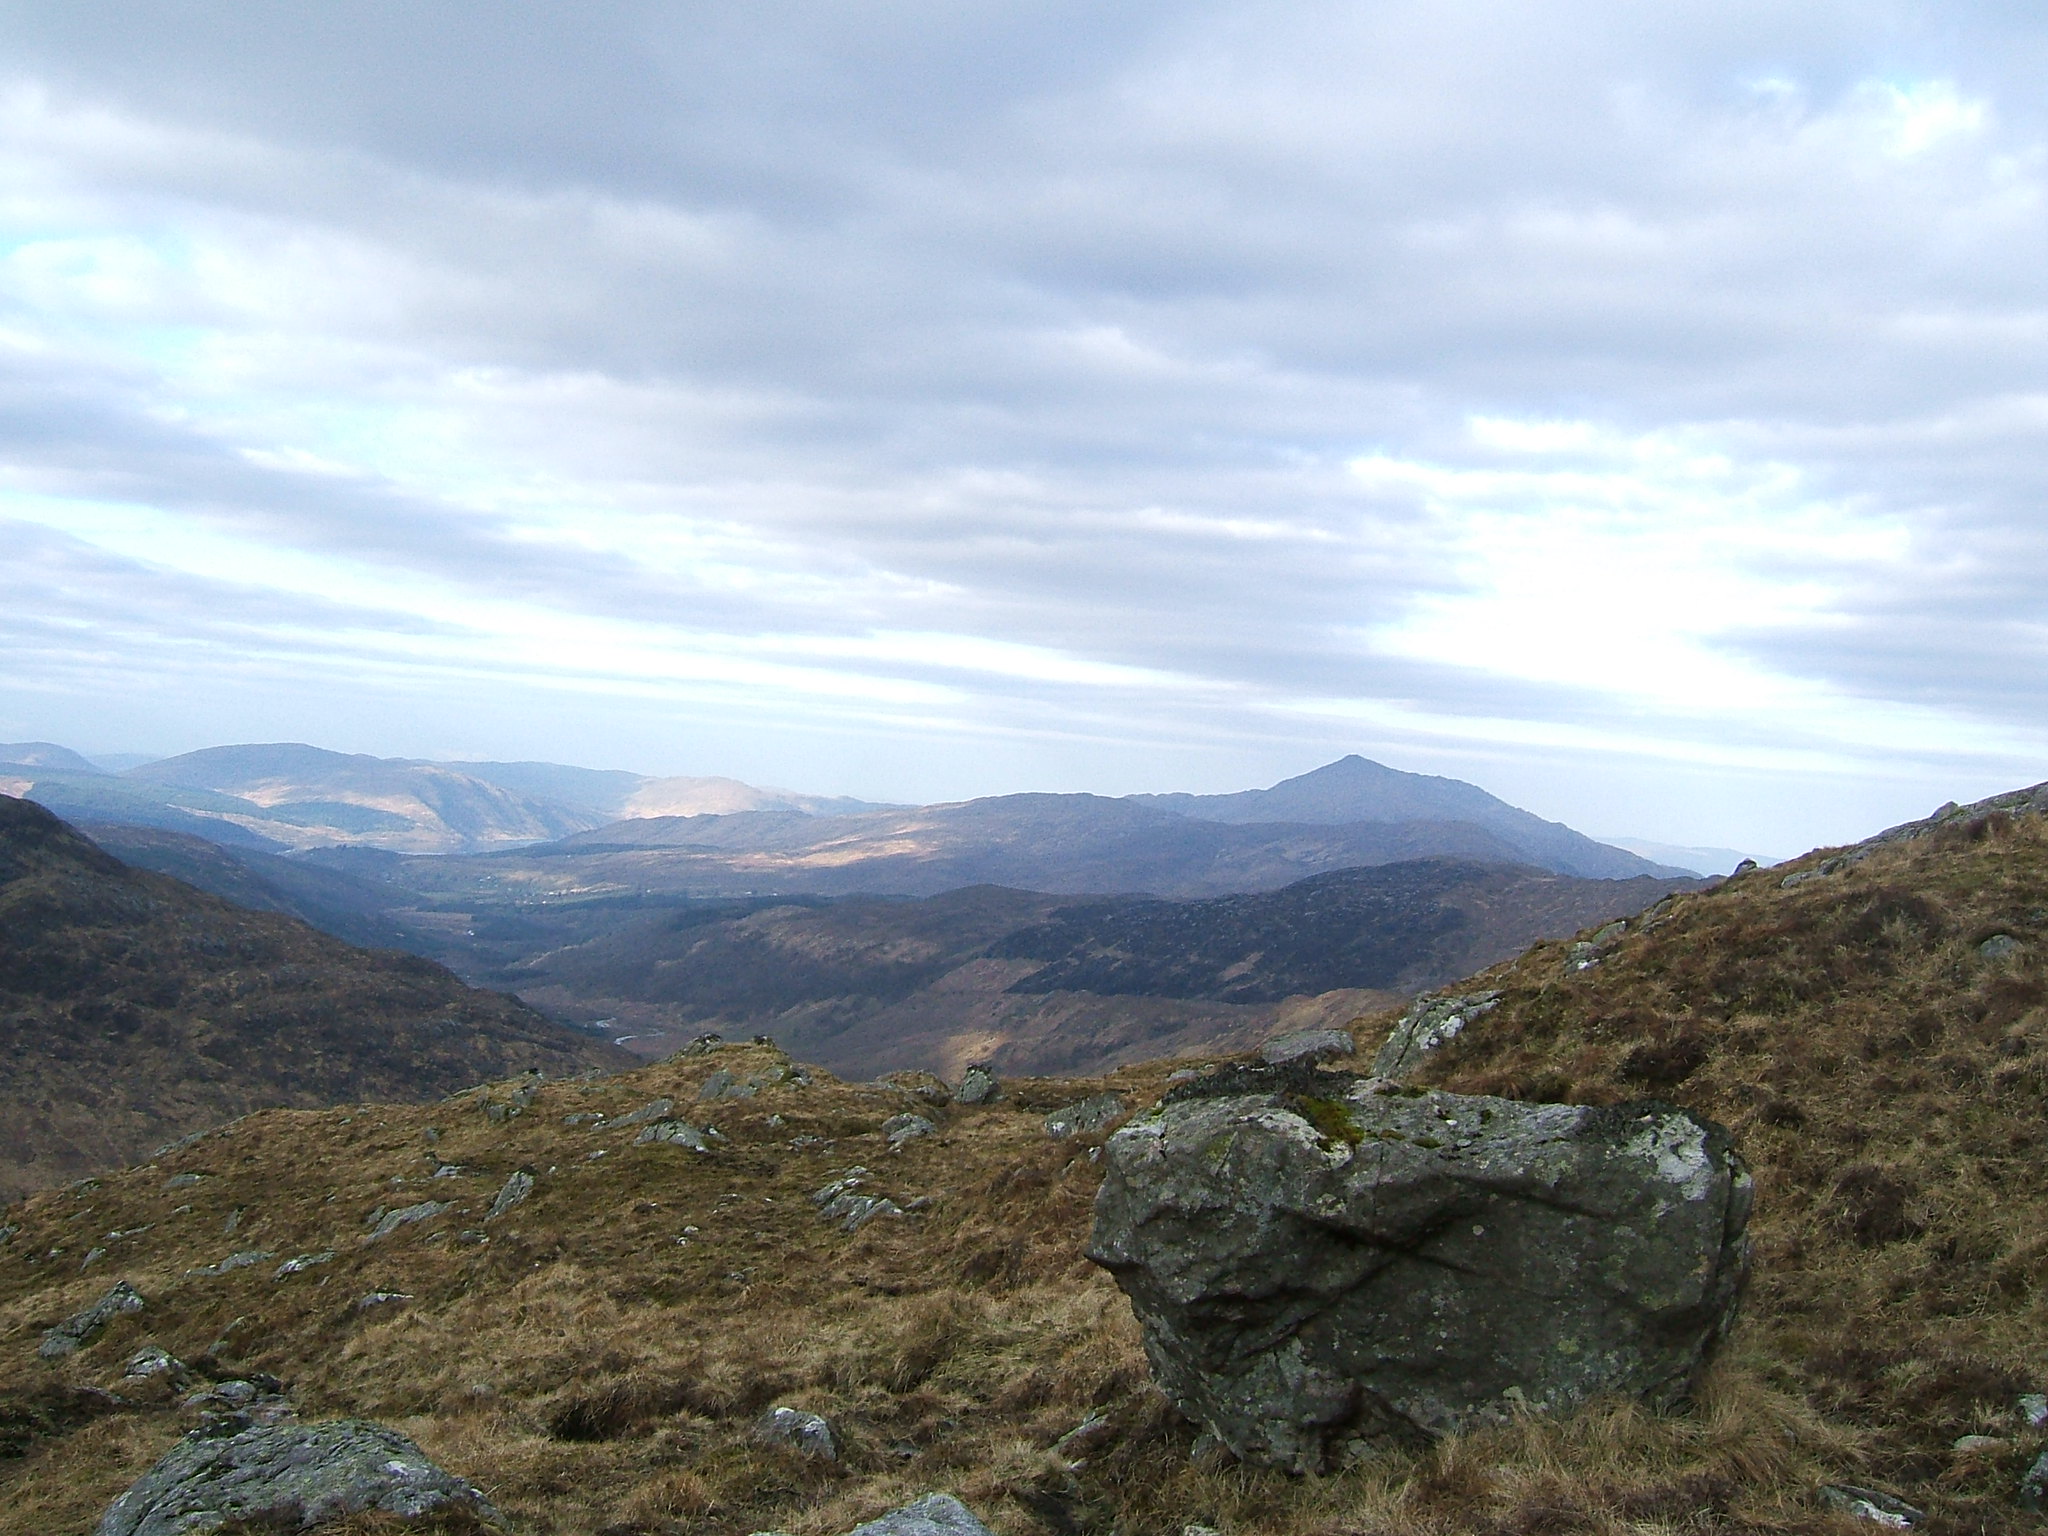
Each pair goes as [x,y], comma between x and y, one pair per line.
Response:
[1887,1082]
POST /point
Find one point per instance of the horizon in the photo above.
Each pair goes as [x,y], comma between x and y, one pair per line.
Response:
[1636,417]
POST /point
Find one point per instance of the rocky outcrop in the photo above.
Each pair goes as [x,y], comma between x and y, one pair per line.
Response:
[807,1434]
[1430,1022]
[1319,1260]
[1307,1045]
[82,1328]
[287,1477]
[936,1514]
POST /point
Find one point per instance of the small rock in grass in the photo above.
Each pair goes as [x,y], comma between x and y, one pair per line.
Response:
[302,1263]
[647,1112]
[516,1189]
[906,1127]
[377,1299]
[287,1477]
[677,1133]
[1999,946]
[2034,1409]
[1869,1504]
[936,1514]
[1090,1114]
[807,1434]
[232,1262]
[390,1221]
[81,1328]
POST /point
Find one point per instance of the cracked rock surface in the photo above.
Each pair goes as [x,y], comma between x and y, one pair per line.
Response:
[1319,1260]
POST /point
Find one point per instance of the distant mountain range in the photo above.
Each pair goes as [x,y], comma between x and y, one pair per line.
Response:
[293,798]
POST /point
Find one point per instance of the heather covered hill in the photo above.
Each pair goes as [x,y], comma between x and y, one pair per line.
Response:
[135,1009]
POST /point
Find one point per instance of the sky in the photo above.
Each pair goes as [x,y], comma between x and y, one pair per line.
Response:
[1636,410]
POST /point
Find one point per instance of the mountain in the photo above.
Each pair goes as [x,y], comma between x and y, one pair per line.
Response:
[1059,843]
[44,754]
[1870,1024]
[135,1009]
[1038,983]
[1356,789]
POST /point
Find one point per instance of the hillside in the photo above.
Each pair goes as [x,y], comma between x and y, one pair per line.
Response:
[1870,1026]
[1038,983]
[135,1009]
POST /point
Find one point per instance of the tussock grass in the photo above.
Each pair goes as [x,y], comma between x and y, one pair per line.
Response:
[1885,1079]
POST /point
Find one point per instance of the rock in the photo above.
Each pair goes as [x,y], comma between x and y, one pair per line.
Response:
[1743,868]
[1978,1445]
[842,1201]
[516,1189]
[81,1328]
[1999,946]
[936,1514]
[232,1262]
[646,1112]
[722,1084]
[925,1085]
[1090,1114]
[1869,1504]
[2033,1408]
[677,1133]
[807,1434]
[288,1477]
[1307,1045]
[183,1180]
[906,1127]
[1091,1434]
[390,1221]
[702,1045]
[2034,1486]
[513,1105]
[302,1263]
[152,1361]
[1317,1258]
[978,1085]
[1429,1023]
[377,1299]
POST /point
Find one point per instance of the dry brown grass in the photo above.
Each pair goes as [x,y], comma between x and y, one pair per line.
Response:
[1886,1082]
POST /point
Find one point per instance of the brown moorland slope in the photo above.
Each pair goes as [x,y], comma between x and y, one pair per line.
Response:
[1882,1068]
[135,1009]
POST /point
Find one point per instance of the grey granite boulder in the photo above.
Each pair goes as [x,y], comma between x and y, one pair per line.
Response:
[515,1189]
[81,1328]
[1307,1045]
[289,1477]
[978,1085]
[906,1127]
[936,1514]
[388,1222]
[1320,1260]
[677,1133]
[1430,1022]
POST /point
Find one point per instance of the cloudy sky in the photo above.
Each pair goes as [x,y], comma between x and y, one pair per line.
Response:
[1638,410]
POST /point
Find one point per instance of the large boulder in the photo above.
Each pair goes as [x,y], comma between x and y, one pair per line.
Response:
[1320,1260]
[288,1477]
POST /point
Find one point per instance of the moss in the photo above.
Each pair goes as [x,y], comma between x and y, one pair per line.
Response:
[1332,1118]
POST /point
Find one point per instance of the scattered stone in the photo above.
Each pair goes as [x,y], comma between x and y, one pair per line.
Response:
[841,1201]
[302,1263]
[8,1229]
[287,1477]
[1581,956]
[723,1084]
[1199,1530]
[646,1112]
[1978,1445]
[906,1127]
[180,1144]
[1091,1114]
[82,1328]
[235,1261]
[678,1133]
[1318,1259]
[703,1045]
[389,1222]
[978,1085]
[807,1434]
[1869,1504]
[183,1180]
[585,1117]
[1182,1075]
[1999,947]
[234,1222]
[92,1257]
[513,1105]
[927,1086]
[377,1299]
[1743,868]
[936,1514]
[516,1189]
[1307,1045]
[1086,1437]
[451,1171]
[152,1361]
[2034,1409]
